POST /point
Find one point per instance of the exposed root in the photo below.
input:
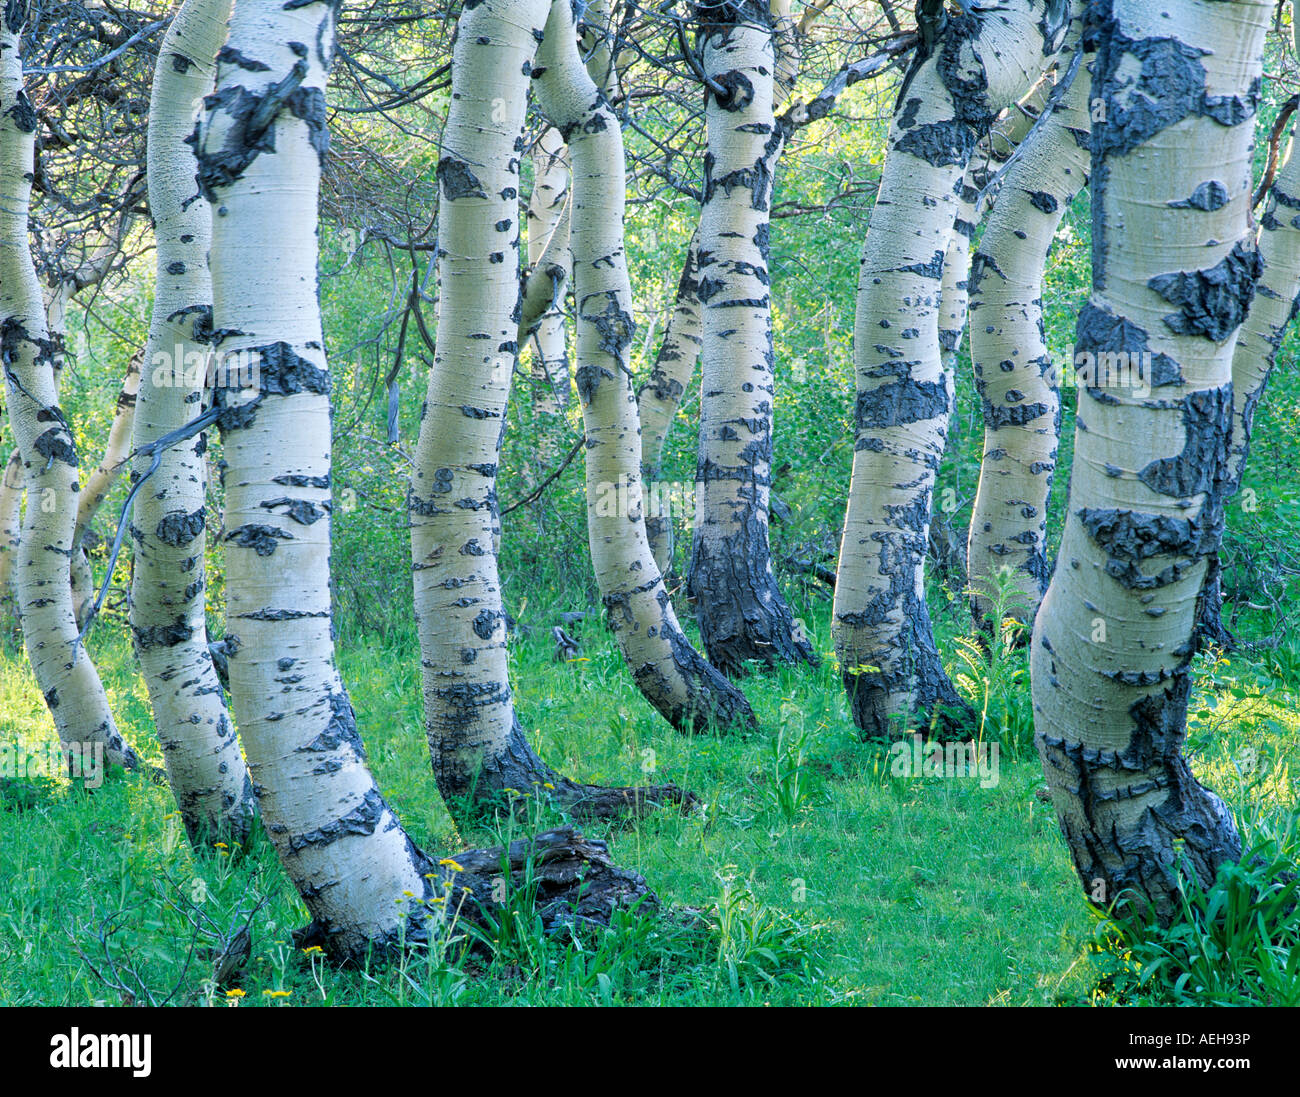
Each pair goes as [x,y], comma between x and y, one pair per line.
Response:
[567,879]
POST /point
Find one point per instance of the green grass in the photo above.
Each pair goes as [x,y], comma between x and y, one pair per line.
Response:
[812,874]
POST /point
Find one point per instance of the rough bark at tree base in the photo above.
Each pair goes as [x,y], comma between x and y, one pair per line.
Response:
[514,770]
[940,713]
[747,620]
[571,878]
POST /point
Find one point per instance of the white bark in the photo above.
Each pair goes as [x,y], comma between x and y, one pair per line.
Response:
[670,673]
[261,147]
[63,670]
[880,621]
[97,486]
[11,518]
[548,228]
[743,616]
[205,768]
[661,395]
[1014,372]
[1271,313]
[1173,274]
[476,743]
[993,151]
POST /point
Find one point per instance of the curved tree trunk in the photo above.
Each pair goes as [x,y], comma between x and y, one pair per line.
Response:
[883,637]
[1173,275]
[116,449]
[1017,382]
[742,615]
[368,888]
[11,519]
[97,486]
[659,398]
[1271,313]
[200,746]
[993,151]
[260,151]
[548,228]
[669,672]
[476,743]
[64,672]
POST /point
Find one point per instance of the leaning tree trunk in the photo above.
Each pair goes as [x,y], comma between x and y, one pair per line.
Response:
[993,151]
[206,771]
[1174,268]
[669,672]
[660,397]
[1014,372]
[116,449]
[260,152]
[100,482]
[366,885]
[476,743]
[880,622]
[743,617]
[67,678]
[1270,314]
[11,517]
[548,228]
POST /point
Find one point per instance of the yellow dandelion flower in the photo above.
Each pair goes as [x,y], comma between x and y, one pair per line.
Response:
[450,863]
[236,993]
[277,993]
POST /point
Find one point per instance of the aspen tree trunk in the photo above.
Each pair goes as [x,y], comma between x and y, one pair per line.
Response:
[596,36]
[96,489]
[11,517]
[660,397]
[205,768]
[669,672]
[742,615]
[1173,275]
[67,678]
[993,151]
[1271,312]
[1014,372]
[116,450]
[881,625]
[954,286]
[787,49]
[261,146]
[368,888]
[946,542]
[476,743]
[548,227]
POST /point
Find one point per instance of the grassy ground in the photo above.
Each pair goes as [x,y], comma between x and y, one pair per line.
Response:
[821,876]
